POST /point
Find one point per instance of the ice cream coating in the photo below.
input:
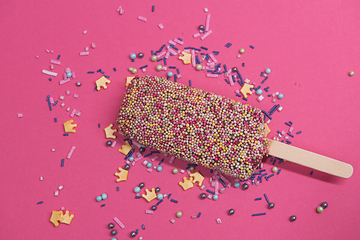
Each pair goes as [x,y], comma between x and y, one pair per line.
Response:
[194,125]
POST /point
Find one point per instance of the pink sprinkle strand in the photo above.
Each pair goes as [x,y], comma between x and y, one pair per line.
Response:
[206,35]
[149,212]
[212,75]
[231,81]
[73,112]
[113,144]
[55,62]
[71,152]
[84,53]
[213,58]
[136,144]
[161,26]
[154,158]
[178,41]
[224,179]
[217,187]
[142,18]
[207,22]
[161,54]
[228,73]
[119,222]
[193,58]
[173,51]
[138,159]
[167,55]
[197,35]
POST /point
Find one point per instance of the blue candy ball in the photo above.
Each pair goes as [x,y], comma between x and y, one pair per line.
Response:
[215,197]
[268,70]
[170,74]
[280,96]
[131,159]
[69,74]
[104,196]
[137,189]
[149,164]
[98,198]
[133,56]
[159,168]
[259,92]
[160,196]
[236,184]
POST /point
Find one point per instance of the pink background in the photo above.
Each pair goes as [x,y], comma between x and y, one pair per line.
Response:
[311,46]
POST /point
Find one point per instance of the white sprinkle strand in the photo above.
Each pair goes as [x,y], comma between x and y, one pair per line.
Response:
[49,73]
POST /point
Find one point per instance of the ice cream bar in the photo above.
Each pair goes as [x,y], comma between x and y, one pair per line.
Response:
[194,125]
[207,129]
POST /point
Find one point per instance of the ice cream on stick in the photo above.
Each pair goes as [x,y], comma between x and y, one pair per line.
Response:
[201,127]
[194,125]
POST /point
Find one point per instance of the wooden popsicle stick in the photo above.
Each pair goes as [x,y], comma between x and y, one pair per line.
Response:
[310,159]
